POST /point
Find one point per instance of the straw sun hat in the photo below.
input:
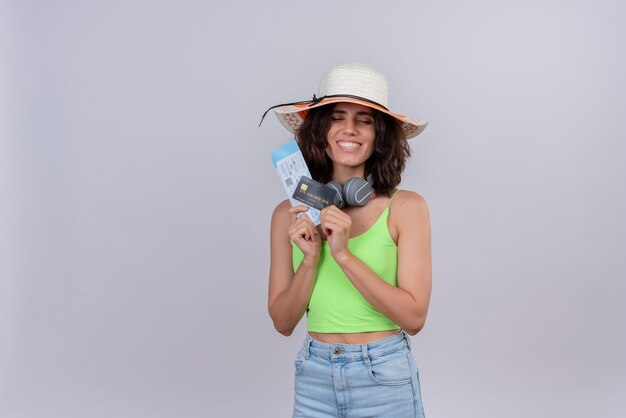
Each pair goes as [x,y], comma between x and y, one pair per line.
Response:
[353,83]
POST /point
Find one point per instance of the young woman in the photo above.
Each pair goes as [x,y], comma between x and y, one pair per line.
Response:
[363,276]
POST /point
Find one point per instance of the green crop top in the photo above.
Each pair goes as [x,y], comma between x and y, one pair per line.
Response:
[335,305]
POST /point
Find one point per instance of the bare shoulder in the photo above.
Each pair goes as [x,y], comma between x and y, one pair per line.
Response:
[280,216]
[408,207]
[408,201]
[282,209]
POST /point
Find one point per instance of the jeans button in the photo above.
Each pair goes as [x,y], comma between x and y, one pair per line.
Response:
[337,350]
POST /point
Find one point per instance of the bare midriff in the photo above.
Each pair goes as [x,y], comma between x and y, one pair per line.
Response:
[353,338]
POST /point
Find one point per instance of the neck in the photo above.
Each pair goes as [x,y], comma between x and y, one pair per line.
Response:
[342,174]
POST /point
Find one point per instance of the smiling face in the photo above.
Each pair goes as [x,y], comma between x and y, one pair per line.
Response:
[351,137]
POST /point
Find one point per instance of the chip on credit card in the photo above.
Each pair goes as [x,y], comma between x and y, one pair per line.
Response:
[314,193]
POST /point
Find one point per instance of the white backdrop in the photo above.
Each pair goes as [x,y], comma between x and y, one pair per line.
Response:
[136,192]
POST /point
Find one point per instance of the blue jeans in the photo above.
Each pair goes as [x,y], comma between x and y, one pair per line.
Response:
[378,379]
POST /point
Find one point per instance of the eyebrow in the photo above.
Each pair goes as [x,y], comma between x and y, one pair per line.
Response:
[359,113]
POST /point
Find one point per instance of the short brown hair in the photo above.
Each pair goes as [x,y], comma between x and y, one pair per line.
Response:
[391,149]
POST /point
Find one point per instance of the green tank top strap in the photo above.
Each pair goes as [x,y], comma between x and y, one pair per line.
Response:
[392,196]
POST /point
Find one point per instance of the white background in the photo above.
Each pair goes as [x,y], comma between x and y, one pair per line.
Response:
[136,191]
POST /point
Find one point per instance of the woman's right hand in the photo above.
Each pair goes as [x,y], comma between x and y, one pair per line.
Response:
[303,232]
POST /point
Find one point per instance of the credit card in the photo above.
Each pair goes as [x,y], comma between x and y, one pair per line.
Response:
[313,193]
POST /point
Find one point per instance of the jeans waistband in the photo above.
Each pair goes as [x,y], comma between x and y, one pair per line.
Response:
[354,352]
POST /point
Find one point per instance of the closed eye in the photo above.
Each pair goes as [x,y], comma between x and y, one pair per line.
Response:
[363,118]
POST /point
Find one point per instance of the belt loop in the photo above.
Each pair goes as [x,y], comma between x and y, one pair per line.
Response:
[365,354]
[407,338]
[307,345]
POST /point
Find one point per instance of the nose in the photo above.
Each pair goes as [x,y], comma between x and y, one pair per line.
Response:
[349,126]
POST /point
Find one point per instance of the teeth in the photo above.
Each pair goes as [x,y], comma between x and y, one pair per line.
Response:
[351,145]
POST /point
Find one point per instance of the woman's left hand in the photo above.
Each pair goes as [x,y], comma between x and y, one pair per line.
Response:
[336,226]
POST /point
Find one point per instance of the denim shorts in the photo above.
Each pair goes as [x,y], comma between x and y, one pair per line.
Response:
[378,379]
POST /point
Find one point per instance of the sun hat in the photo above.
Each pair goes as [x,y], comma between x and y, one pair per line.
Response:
[353,83]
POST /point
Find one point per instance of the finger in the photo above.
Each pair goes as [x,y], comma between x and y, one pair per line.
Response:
[316,235]
[336,227]
[332,212]
[331,217]
[304,230]
[332,208]
[340,218]
[298,226]
[331,224]
[298,208]
[293,211]
[310,233]
[307,219]
[325,211]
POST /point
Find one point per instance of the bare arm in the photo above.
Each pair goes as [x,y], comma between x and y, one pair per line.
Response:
[407,304]
[289,292]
